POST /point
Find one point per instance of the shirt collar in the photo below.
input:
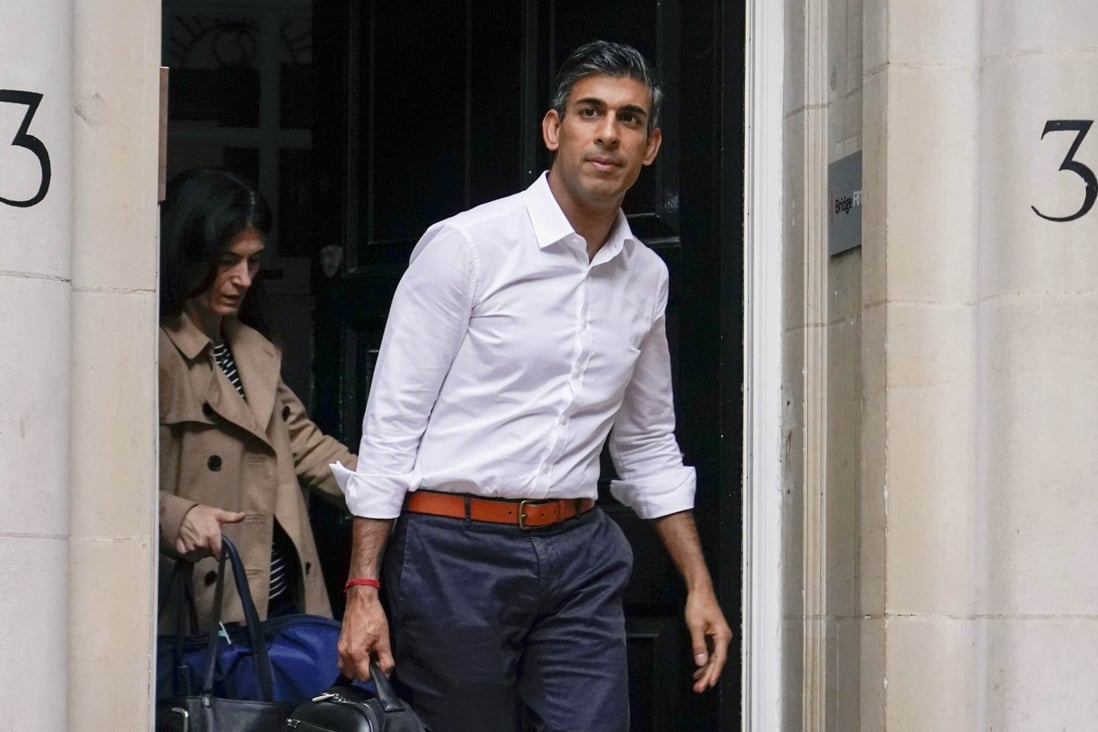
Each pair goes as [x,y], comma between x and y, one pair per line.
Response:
[551,225]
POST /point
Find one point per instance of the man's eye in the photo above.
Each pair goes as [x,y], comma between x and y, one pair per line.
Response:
[588,111]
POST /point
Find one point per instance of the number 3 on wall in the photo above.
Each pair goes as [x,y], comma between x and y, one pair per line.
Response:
[1081,127]
[29,142]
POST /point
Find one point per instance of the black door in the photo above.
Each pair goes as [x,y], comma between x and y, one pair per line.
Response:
[427,108]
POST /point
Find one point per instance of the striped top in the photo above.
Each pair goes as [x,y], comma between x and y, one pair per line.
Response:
[279,574]
[224,358]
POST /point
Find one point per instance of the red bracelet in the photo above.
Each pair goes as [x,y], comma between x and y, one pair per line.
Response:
[362,581]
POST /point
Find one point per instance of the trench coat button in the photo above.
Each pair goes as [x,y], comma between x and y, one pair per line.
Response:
[285,412]
[210,578]
[214,463]
[308,567]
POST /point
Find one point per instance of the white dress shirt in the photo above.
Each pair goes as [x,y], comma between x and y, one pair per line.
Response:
[507,358]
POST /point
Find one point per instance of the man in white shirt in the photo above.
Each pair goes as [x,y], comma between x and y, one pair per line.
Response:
[526,333]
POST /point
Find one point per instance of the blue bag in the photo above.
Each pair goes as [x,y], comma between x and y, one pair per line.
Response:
[287,659]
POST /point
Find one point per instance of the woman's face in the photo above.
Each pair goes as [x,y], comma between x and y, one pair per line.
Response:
[237,266]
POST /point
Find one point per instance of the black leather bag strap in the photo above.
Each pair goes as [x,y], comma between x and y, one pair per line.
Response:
[215,623]
[179,586]
[251,620]
[187,621]
[390,702]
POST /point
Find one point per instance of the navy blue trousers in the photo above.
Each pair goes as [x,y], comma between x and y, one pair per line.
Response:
[490,622]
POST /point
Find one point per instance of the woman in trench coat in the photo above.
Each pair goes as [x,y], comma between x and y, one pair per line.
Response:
[236,446]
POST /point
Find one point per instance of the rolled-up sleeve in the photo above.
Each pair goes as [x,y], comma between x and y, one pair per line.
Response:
[427,323]
[652,478]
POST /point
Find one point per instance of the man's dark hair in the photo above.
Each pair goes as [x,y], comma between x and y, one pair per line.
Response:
[203,210]
[607,58]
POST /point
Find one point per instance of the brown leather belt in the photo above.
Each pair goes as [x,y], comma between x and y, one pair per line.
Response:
[526,514]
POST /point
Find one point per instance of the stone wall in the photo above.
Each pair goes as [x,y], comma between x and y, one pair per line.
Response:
[78,407]
[938,382]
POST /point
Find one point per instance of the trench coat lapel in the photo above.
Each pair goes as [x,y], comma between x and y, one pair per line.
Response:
[257,361]
[259,364]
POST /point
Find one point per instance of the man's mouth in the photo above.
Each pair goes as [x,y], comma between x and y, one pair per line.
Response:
[603,162]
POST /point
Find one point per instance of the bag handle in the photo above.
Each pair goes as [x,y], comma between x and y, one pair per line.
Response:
[251,621]
[215,625]
[179,585]
[390,702]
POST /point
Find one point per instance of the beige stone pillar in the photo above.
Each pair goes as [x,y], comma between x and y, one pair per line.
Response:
[939,423]
[113,418]
[920,484]
[977,352]
[78,173]
[35,329]
[1037,383]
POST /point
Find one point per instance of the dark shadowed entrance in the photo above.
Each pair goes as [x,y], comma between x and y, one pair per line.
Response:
[427,108]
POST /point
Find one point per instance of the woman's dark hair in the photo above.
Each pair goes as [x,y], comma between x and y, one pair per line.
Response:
[203,210]
[609,59]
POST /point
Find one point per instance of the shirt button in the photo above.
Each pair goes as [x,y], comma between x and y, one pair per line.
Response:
[563,419]
[544,468]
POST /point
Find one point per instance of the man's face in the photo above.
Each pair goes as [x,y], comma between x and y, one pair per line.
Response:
[237,267]
[601,142]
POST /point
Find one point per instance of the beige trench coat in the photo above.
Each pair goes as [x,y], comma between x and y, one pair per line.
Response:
[252,456]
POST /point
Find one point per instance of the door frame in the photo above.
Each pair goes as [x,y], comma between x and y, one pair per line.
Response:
[763,606]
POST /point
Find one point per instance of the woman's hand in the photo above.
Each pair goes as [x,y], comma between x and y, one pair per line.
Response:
[200,532]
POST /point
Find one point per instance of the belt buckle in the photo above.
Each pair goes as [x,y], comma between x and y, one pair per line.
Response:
[522,514]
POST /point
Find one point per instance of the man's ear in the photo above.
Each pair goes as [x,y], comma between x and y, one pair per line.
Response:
[655,137]
[550,130]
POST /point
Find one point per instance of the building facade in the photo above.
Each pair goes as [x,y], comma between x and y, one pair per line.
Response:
[937,382]
[919,310]
[79,105]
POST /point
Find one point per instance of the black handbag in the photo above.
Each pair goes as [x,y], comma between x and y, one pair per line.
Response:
[301,650]
[346,708]
[208,711]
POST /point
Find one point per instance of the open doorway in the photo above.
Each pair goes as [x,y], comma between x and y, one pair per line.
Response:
[241,97]
[364,122]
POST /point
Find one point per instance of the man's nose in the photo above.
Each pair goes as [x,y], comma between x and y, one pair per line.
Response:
[608,130]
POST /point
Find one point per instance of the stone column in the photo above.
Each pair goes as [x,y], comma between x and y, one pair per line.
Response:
[78,243]
[35,328]
[113,418]
[1038,349]
[919,505]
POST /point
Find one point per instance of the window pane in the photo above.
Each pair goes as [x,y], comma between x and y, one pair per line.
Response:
[296,69]
[214,69]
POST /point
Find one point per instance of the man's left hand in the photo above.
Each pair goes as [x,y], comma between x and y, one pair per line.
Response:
[709,636]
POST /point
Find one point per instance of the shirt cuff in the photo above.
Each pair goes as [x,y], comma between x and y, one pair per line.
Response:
[371,496]
[658,495]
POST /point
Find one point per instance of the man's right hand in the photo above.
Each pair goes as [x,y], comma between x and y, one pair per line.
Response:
[200,532]
[365,632]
